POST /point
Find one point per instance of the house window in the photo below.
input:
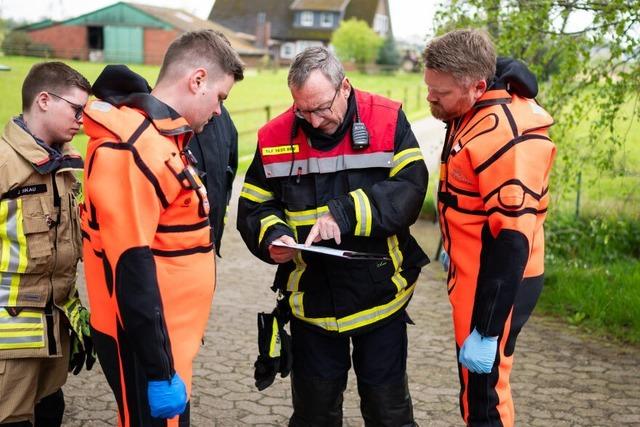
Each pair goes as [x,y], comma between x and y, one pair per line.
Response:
[326,20]
[303,44]
[287,50]
[306,19]
[381,24]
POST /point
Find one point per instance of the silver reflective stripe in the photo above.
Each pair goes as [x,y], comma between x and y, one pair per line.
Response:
[329,164]
[5,287]
[20,340]
[14,320]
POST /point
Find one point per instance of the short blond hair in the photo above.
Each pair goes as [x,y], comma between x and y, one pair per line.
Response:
[466,54]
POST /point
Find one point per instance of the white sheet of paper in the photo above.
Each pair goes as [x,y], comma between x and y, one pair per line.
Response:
[331,251]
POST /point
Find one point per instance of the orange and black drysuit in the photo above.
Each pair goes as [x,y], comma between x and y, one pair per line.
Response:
[374,194]
[149,260]
[492,199]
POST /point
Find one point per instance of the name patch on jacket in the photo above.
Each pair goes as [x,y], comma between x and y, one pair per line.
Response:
[27,190]
[282,149]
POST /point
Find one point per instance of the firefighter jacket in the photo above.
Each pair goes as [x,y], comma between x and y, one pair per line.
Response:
[216,150]
[492,200]
[374,194]
[40,242]
[149,259]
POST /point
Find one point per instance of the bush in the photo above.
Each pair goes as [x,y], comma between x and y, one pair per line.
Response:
[388,56]
[591,241]
[16,43]
[19,43]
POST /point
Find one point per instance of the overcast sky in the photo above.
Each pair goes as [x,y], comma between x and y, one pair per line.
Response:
[411,19]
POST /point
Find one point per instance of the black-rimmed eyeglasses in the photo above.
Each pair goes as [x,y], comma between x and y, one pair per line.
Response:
[77,108]
[323,112]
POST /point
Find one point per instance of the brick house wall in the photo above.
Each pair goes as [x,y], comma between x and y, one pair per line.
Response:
[67,41]
[156,42]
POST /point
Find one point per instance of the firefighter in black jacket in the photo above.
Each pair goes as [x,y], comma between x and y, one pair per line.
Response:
[216,151]
[344,167]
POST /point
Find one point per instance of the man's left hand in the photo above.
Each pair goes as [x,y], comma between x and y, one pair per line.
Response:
[82,351]
[325,228]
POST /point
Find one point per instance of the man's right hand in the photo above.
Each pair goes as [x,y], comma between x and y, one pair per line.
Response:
[280,254]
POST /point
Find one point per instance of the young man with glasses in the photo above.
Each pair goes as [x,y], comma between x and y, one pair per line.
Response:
[342,168]
[44,330]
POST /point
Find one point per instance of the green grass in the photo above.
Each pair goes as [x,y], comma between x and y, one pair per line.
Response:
[246,102]
[603,299]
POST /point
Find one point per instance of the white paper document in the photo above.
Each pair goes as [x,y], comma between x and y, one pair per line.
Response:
[334,252]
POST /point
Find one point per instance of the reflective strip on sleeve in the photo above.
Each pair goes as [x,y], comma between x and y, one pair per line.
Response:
[267,222]
[255,193]
[13,251]
[396,258]
[403,158]
[308,217]
[363,213]
[26,330]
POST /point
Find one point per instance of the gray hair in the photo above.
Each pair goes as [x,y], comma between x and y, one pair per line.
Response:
[466,54]
[311,59]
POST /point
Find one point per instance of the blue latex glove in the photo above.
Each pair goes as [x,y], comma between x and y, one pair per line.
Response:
[478,353]
[167,399]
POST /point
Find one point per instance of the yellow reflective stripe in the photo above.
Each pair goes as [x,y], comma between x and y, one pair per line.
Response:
[356,320]
[308,217]
[274,345]
[23,314]
[255,193]
[396,257]
[295,301]
[404,157]
[13,258]
[293,282]
[363,212]
[26,330]
[4,237]
[22,332]
[267,222]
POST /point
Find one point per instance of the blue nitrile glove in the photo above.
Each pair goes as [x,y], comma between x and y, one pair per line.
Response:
[167,399]
[478,353]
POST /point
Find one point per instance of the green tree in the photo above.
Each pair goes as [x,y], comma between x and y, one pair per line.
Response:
[388,54]
[355,41]
[586,54]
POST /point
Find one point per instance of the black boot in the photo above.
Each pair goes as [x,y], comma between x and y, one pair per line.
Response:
[17,424]
[316,402]
[387,405]
[50,409]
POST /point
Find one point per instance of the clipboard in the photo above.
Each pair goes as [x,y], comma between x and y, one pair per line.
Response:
[363,256]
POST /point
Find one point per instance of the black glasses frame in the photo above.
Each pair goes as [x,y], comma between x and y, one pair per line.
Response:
[77,108]
[320,112]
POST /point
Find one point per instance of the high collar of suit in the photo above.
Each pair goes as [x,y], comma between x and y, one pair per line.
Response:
[45,159]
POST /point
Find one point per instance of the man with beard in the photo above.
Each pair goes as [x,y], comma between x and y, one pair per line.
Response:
[492,202]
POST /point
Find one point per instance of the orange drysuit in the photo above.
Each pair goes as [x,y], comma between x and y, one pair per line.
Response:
[149,260]
[492,200]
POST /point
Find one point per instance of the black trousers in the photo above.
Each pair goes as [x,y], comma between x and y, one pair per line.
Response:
[321,364]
